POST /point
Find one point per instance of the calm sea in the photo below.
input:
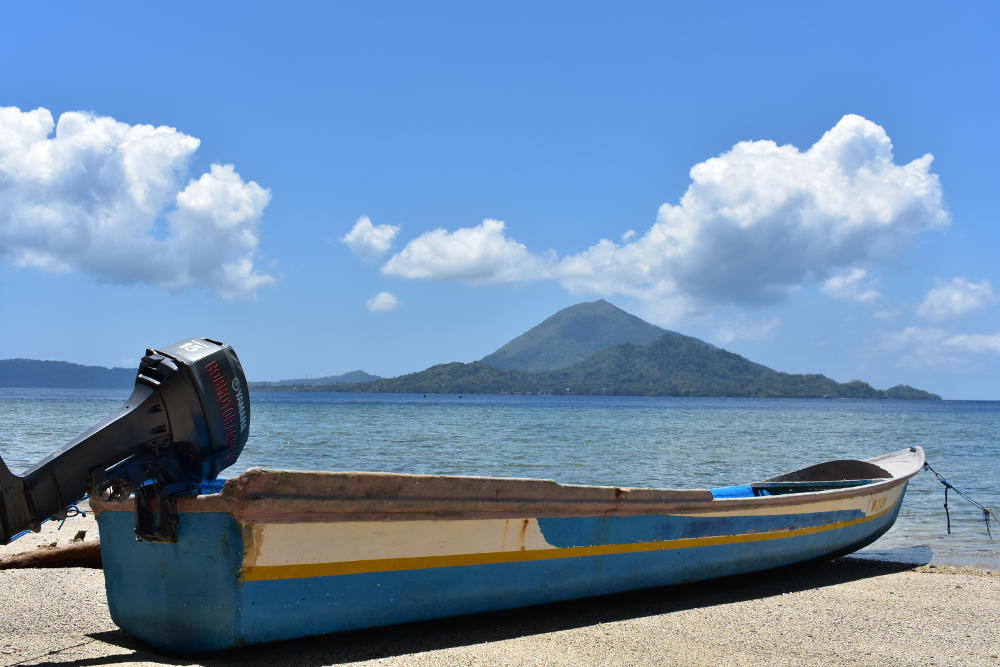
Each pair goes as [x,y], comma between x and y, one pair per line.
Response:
[622,441]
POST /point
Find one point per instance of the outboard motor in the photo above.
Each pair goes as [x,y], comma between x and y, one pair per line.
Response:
[187,419]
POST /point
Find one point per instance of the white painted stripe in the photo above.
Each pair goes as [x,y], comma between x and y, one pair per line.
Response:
[866,504]
[304,543]
[300,570]
[280,544]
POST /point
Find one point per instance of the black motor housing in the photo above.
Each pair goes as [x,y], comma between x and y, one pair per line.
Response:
[187,419]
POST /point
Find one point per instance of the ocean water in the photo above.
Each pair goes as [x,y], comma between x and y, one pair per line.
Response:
[621,441]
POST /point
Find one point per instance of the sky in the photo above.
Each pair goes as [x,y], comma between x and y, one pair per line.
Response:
[387,186]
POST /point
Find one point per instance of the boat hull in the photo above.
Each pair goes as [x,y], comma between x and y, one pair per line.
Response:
[275,559]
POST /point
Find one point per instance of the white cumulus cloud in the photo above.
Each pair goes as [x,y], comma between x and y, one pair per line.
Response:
[743,328]
[476,255]
[90,193]
[956,297]
[755,225]
[382,302]
[369,241]
[921,346]
[935,346]
[975,342]
[886,313]
[850,285]
[760,220]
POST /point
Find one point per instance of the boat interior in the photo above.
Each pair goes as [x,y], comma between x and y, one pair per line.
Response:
[822,477]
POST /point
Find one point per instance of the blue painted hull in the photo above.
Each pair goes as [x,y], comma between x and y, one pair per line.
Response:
[236,577]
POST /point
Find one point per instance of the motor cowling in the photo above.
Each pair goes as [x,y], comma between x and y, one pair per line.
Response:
[187,419]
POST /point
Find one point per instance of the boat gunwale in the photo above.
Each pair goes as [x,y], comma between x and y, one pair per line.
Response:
[239,499]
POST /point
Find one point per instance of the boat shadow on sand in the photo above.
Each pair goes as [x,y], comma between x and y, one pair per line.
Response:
[416,638]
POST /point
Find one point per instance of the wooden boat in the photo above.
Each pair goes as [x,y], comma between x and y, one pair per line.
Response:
[276,554]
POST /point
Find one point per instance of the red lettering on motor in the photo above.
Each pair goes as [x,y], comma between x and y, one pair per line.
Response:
[225,401]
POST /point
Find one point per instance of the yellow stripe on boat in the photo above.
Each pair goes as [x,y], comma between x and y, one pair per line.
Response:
[299,571]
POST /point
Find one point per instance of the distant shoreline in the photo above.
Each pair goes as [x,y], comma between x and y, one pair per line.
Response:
[358,390]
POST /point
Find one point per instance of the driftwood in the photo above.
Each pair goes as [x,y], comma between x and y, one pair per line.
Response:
[77,554]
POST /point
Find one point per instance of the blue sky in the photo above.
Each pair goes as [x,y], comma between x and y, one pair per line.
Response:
[386,186]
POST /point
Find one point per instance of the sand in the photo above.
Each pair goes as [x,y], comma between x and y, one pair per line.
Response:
[847,611]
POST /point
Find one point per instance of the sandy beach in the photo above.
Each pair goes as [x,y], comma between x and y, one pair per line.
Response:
[848,611]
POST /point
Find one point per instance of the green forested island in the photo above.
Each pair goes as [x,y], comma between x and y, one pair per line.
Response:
[571,335]
[588,348]
[352,376]
[597,348]
[36,373]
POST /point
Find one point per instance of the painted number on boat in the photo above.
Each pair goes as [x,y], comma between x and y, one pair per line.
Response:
[877,504]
